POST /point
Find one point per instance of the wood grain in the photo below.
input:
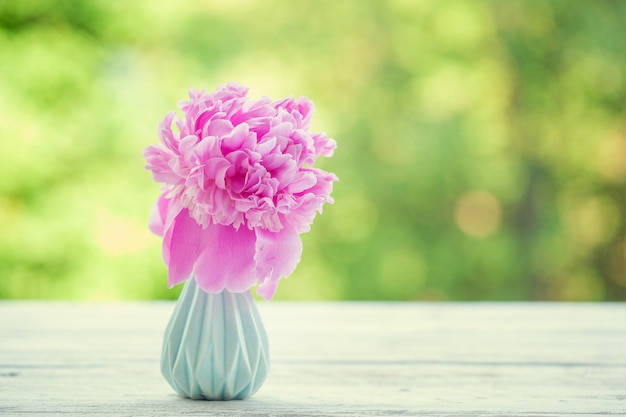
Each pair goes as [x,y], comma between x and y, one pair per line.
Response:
[335,359]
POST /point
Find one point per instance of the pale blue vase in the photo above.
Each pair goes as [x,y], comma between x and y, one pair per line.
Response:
[215,345]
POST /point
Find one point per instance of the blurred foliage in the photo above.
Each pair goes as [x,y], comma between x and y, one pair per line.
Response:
[482,145]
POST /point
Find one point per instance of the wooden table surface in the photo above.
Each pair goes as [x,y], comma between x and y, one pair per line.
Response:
[344,359]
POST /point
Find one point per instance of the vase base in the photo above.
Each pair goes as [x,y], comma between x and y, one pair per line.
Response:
[215,346]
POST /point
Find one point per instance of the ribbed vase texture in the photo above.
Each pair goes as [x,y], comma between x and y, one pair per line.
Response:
[215,345]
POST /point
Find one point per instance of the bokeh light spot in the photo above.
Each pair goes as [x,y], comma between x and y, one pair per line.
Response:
[591,220]
[477,213]
[612,159]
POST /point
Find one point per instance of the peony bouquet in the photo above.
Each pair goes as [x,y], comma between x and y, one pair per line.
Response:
[239,187]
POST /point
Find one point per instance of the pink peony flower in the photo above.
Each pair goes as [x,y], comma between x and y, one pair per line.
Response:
[238,188]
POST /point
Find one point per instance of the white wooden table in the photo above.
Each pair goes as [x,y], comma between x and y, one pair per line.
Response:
[344,359]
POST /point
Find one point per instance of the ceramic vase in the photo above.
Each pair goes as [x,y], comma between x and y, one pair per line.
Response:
[215,346]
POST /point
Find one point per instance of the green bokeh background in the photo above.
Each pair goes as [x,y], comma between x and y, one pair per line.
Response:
[481,144]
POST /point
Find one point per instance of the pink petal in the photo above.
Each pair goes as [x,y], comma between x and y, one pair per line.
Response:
[163,213]
[187,143]
[226,260]
[306,108]
[303,181]
[235,139]
[219,128]
[277,254]
[324,146]
[165,132]
[158,159]
[203,118]
[267,289]
[167,245]
[215,169]
[183,247]
[158,214]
